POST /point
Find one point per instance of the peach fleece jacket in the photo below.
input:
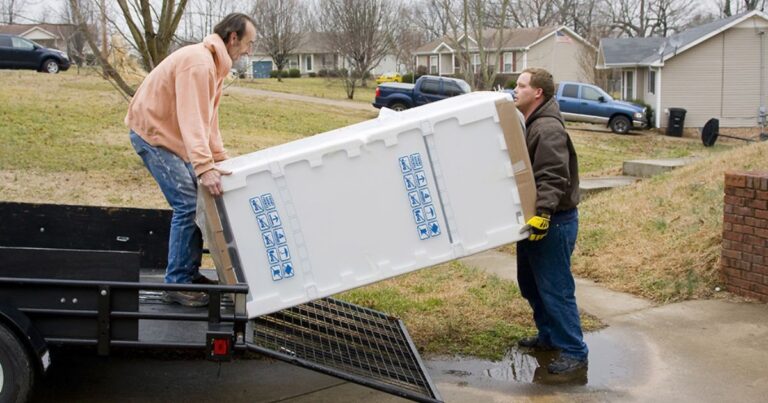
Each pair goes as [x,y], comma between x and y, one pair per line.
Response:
[176,107]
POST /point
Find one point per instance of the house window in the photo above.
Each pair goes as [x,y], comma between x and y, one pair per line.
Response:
[433,64]
[309,62]
[629,85]
[652,82]
[475,62]
[508,62]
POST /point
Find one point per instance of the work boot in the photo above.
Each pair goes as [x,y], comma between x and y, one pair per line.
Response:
[186,298]
[566,364]
[202,279]
[534,343]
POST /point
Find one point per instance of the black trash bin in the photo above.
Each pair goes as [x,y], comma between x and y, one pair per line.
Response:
[676,122]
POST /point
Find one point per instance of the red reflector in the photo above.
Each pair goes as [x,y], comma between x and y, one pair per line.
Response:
[220,347]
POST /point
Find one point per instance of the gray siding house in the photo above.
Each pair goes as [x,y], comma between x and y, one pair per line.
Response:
[312,55]
[556,49]
[716,70]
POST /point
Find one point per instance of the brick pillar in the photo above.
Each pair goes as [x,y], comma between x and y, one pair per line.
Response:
[744,263]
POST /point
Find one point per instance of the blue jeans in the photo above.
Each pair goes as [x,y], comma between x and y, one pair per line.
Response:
[178,183]
[545,279]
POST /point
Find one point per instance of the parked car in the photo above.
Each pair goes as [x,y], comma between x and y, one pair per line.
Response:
[19,53]
[580,102]
[389,78]
[399,96]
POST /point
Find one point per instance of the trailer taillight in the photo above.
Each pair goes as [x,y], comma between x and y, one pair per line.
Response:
[378,92]
[220,340]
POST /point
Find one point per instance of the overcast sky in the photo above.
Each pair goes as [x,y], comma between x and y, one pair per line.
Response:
[51,10]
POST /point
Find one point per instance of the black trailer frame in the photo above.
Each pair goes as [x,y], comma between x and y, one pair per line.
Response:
[82,276]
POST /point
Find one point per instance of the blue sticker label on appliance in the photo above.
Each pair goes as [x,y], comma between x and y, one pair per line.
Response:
[429,212]
[276,272]
[426,198]
[410,182]
[280,236]
[418,216]
[284,254]
[413,197]
[434,228]
[421,179]
[419,195]
[269,239]
[269,202]
[263,222]
[423,232]
[416,161]
[256,205]
[272,256]
[274,218]
[288,269]
[405,165]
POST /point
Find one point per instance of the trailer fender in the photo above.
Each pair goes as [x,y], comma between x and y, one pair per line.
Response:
[27,334]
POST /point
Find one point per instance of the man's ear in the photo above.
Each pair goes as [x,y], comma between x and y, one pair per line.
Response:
[232,37]
[539,93]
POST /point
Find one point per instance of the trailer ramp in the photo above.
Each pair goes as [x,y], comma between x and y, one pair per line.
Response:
[347,341]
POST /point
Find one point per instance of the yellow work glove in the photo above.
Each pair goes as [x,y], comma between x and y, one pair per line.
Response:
[538,226]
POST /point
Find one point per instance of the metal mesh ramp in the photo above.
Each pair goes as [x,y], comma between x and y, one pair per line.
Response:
[349,342]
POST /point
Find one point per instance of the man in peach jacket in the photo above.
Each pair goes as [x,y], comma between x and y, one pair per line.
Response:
[174,127]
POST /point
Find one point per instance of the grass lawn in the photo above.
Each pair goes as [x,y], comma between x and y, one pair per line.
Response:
[63,141]
[331,88]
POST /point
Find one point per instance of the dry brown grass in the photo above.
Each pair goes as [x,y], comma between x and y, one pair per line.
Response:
[662,237]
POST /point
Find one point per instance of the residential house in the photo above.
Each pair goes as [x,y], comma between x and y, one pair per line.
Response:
[312,55]
[53,36]
[557,49]
[716,70]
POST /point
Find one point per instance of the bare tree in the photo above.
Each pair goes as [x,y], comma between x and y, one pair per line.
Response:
[10,10]
[200,16]
[152,34]
[431,17]
[359,31]
[75,39]
[474,42]
[109,72]
[281,27]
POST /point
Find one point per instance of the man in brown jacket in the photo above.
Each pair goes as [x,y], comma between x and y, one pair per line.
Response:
[544,259]
[174,122]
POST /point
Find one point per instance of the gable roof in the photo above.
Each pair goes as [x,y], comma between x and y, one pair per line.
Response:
[514,39]
[61,30]
[654,51]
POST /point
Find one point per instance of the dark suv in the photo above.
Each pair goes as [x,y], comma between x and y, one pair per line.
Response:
[19,53]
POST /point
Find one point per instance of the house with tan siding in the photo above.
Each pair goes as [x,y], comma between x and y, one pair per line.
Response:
[716,70]
[557,49]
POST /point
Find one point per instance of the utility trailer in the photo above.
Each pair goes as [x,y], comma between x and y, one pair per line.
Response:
[92,277]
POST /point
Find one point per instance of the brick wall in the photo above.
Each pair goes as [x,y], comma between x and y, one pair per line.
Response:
[744,260]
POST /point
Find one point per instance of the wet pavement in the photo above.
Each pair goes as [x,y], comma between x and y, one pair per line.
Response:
[694,351]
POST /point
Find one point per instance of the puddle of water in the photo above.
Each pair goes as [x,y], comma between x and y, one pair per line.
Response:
[615,360]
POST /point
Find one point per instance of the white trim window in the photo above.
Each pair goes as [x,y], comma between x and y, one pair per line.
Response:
[652,81]
[508,62]
[432,64]
[475,62]
[629,85]
[308,63]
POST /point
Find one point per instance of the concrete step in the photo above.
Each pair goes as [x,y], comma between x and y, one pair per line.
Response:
[594,185]
[649,168]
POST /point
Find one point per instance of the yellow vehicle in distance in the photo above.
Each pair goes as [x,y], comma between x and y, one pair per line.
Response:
[389,78]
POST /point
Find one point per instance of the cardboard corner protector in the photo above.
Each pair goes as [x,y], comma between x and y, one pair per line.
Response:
[518,155]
